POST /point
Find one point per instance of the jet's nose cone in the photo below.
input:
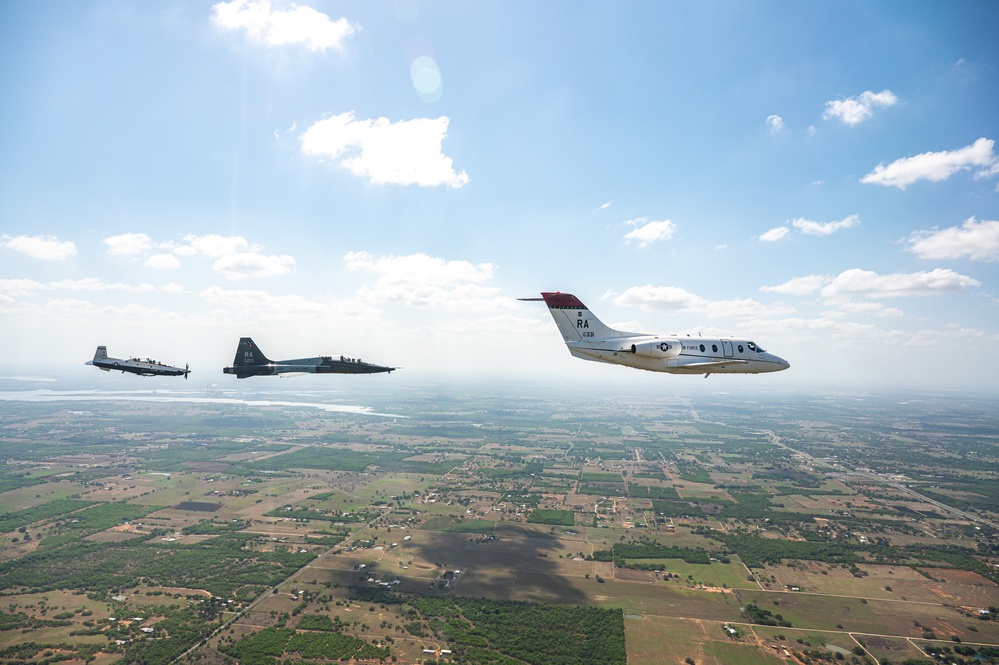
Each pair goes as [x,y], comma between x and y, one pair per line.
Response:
[783,364]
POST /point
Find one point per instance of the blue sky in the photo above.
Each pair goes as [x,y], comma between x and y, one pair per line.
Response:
[382,180]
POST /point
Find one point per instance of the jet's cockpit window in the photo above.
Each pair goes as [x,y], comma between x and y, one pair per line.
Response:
[753,347]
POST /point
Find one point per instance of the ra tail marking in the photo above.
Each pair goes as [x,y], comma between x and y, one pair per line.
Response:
[575,320]
[248,354]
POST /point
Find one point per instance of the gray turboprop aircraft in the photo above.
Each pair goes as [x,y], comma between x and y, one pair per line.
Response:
[588,338]
[140,366]
[250,361]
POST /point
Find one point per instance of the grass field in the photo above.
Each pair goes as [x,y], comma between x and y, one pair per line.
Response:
[653,640]
[715,574]
[727,653]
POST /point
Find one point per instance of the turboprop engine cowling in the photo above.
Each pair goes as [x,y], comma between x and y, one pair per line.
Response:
[657,348]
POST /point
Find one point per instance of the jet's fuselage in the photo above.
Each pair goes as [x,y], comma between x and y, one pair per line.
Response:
[320,365]
[250,361]
[685,355]
[140,366]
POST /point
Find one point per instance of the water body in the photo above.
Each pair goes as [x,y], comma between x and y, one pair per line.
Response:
[177,397]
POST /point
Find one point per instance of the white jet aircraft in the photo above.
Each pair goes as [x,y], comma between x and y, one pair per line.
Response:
[588,338]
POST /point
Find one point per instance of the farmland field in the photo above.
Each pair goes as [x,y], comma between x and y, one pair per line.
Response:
[740,540]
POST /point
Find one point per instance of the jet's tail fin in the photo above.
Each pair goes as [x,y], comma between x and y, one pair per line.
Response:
[248,353]
[575,320]
[99,356]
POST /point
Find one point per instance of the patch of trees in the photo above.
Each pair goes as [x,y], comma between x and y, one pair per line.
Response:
[319,457]
[46,511]
[303,513]
[764,617]
[500,473]
[23,653]
[13,481]
[523,498]
[496,631]
[104,516]
[220,565]
[264,647]
[787,490]
[652,492]
[799,478]
[602,489]
[176,632]
[374,595]
[21,621]
[209,528]
[692,472]
[653,472]
[333,646]
[755,550]
[259,648]
[600,477]
[180,453]
[621,551]
[473,526]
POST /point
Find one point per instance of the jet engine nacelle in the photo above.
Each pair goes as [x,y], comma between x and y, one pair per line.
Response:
[657,348]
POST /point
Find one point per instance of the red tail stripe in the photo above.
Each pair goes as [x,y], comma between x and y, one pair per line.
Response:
[566,300]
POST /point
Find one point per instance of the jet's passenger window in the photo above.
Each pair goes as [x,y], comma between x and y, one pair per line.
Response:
[740,348]
[714,348]
[702,348]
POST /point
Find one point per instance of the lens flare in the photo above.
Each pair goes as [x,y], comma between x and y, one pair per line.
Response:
[426,79]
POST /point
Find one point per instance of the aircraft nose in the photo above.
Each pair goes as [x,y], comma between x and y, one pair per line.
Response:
[783,364]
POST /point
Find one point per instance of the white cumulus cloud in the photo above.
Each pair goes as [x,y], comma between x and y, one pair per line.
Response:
[162,262]
[245,265]
[978,241]
[280,27]
[873,308]
[47,248]
[775,234]
[935,166]
[214,245]
[421,280]
[650,297]
[799,286]
[128,244]
[775,124]
[824,228]
[855,110]
[895,285]
[647,232]
[407,152]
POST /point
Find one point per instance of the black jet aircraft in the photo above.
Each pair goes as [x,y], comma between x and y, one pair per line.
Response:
[250,361]
[140,366]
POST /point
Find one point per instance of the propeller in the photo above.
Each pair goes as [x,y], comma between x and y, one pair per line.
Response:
[187,370]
